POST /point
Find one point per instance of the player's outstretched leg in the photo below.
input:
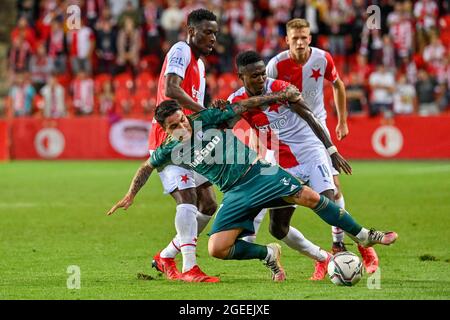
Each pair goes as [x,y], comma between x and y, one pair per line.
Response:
[335,216]
[224,245]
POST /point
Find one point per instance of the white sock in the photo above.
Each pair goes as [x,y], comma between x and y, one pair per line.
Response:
[363,235]
[186,225]
[256,224]
[269,254]
[338,233]
[202,221]
[172,249]
[297,241]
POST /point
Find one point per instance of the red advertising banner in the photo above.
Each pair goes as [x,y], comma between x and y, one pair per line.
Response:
[79,138]
[4,141]
[405,137]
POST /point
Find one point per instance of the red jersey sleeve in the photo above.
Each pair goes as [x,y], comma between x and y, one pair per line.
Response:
[331,73]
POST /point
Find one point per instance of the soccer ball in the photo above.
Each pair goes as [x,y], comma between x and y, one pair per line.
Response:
[345,269]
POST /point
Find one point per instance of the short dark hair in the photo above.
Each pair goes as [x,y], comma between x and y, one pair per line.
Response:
[247,57]
[165,109]
[197,16]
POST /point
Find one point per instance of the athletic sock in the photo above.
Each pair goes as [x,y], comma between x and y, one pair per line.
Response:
[338,233]
[173,248]
[186,225]
[335,216]
[243,250]
[202,221]
[256,224]
[297,241]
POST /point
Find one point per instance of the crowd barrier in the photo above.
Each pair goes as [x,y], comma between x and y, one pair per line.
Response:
[404,137]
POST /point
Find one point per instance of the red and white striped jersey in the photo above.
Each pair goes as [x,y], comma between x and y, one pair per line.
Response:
[308,78]
[280,129]
[180,61]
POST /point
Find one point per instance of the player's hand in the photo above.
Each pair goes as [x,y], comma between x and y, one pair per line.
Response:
[292,94]
[340,164]
[341,130]
[124,203]
[219,104]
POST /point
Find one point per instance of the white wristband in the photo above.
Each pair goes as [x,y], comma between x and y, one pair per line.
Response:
[332,150]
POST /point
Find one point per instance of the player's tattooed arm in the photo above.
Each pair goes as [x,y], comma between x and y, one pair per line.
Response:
[291,93]
[339,163]
[139,180]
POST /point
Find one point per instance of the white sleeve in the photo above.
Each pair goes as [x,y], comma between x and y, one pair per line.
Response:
[271,69]
[178,59]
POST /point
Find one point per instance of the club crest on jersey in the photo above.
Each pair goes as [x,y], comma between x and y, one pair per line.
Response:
[285,181]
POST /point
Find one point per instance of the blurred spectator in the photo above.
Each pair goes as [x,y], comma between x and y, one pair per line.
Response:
[19,54]
[401,30]
[246,37]
[93,10]
[25,31]
[41,65]
[118,6]
[21,95]
[382,85]
[434,53]
[82,45]
[28,10]
[281,13]
[356,94]
[53,94]
[128,46]
[129,12]
[388,53]
[151,16]
[106,98]
[57,47]
[271,39]
[106,48]
[225,49]
[427,90]
[171,21]
[405,99]
[426,13]
[83,94]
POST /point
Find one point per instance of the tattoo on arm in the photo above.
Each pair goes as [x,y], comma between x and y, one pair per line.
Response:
[305,113]
[258,101]
[140,178]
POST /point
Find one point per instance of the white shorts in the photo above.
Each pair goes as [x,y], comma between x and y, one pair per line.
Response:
[175,177]
[317,173]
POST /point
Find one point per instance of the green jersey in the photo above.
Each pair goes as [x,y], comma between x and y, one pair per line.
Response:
[213,150]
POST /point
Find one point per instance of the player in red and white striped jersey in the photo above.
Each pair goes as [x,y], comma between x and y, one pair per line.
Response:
[183,78]
[307,68]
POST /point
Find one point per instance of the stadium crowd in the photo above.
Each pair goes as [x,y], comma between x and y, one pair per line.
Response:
[111,64]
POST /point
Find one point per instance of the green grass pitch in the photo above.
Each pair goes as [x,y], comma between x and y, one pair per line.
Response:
[52,216]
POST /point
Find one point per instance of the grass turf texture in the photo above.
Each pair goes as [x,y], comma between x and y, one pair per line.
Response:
[52,215]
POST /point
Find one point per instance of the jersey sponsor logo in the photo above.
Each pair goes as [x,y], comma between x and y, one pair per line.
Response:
[200,155]
[278,124]
[196,94]
[310,93]
[293,187]
[176,61]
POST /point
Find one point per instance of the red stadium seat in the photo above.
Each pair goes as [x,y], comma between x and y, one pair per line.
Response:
[100,80]
[123,81]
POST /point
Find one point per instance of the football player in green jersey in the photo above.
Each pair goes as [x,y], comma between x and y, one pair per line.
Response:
[249,183]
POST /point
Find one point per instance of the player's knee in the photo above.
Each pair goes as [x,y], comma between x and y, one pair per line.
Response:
[216,250]
[208,207]
[307,197]
[329,194]
[278,230]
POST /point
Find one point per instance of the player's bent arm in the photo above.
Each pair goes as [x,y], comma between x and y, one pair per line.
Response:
[290,93]
[139,180]
[174,91]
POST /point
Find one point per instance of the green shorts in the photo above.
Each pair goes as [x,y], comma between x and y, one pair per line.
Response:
[264,186]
